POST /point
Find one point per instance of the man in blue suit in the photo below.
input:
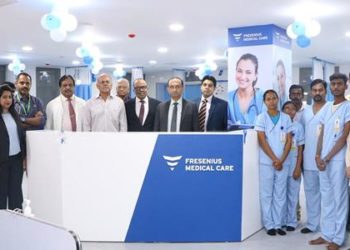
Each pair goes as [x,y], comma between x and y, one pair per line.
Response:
[212,111]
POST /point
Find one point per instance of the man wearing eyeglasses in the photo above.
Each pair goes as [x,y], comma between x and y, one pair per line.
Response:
[177,114]
[141,110]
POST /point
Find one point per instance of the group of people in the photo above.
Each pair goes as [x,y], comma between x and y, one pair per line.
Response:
[21,111]
[313,141]
[298,140]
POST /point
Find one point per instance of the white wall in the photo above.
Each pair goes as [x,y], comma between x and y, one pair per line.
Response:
[295,75]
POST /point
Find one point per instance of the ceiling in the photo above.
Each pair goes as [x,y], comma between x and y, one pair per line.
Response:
[205,30]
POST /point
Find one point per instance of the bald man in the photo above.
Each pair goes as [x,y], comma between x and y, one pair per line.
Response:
[123,89]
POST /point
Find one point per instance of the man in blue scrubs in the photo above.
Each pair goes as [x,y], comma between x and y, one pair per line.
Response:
[311,122]
[330,160]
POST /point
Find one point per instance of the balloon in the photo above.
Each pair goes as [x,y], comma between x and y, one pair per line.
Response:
[290,32]
[10,67]
[82,52]
[52,22]
[22,66]
[87,60]
[69,22]
[303,41]
[312,28]
[43,22]
[97,64]
[298,28]
[58,35]
[95,71]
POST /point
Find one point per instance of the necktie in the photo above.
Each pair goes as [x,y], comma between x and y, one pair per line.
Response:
[174,118]
[72,117]
[142,111]
[202,113]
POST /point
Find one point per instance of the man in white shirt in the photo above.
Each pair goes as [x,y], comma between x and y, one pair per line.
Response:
[105,113]
[64,112]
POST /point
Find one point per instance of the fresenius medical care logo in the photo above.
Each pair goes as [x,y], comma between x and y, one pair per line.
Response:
[237,37]
[199,164]
[172,161]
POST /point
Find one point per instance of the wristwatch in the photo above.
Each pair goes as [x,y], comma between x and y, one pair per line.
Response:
[23,119]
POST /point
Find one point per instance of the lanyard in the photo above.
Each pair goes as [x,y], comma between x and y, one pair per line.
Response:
[25,108]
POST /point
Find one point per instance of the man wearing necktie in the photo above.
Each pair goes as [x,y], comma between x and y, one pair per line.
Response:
[212,111]
[177,114]
[64,112]
[141,110]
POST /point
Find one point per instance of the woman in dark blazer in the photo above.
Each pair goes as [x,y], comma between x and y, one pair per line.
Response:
[12,151]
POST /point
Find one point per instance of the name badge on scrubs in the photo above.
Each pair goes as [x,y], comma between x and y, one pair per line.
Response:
[336,124]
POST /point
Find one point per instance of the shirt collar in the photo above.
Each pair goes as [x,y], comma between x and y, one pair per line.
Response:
[208,99]
[139,100]
[178,101]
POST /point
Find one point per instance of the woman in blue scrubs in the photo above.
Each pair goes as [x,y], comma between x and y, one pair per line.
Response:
[245,102]
[294,159]
[275,140]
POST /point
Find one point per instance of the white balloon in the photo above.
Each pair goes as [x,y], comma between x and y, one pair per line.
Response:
[58,35]
[95,71]
[15,61]
[312,28]
[290,32]
[22,66]
[43,22]
[97,64]
[10,67]
[78,52]
[95,52]
[70,22]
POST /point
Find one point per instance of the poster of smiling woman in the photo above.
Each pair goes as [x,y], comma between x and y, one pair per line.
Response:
[259,58]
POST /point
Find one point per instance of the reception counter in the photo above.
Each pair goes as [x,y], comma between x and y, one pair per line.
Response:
[146,187]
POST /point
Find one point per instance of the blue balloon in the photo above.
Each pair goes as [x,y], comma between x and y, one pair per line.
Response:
[298,28]
[52,22]
[87,60]
[84,51]
[303,41]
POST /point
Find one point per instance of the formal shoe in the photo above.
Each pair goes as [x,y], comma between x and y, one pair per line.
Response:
[318,241]
[271,232]
[305,230]
[333,246]
[280,231]
[290,228]
[284,226]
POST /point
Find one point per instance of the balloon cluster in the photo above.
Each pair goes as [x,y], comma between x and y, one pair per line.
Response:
[91,57]
[119,71]
[16,66]
[59,22]
[303,30]
[206,68]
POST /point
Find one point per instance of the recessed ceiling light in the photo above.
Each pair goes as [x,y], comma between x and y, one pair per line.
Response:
[347,34]
[27,48]
[152,62]
[162,50]
[176,27]
[75,62]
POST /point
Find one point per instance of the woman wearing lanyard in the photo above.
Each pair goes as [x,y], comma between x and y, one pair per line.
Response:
[275,140]
[12,151]
[245,102]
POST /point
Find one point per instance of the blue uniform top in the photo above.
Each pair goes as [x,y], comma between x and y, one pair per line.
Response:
[275,134]
[297,140]
[312,127]
[334,119]
[235,115]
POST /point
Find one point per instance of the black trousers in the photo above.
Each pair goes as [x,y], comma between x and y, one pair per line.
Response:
[11,175]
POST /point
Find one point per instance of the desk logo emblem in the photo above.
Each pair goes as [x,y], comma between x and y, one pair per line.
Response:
[237,36]
[172,161]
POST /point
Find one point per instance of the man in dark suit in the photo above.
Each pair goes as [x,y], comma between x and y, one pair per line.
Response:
[212,111]
[177,114]
[141,110]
